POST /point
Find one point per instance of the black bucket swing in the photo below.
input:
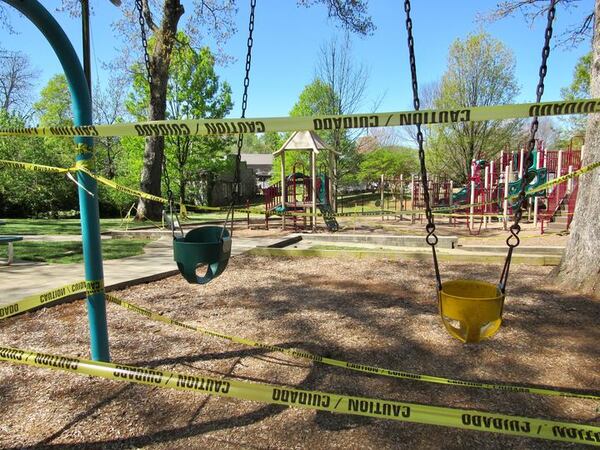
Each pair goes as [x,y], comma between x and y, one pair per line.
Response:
[471,310]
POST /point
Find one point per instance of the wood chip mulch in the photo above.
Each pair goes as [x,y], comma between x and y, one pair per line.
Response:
[376,312]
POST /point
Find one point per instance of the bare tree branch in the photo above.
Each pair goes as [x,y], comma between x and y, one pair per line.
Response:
[352,14]
[16,81]
[531,10]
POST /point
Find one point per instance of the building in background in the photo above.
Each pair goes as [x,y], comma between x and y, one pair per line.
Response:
[262,165]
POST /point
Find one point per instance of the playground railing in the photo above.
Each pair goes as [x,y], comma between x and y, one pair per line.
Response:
[555,201]
[572,202]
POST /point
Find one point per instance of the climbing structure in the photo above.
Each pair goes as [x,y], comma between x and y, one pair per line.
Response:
[484,197]
[298,196]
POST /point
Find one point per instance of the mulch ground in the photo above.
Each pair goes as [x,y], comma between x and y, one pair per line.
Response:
[375,312]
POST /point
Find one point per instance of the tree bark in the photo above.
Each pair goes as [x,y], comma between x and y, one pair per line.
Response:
[579,268]
[160,61]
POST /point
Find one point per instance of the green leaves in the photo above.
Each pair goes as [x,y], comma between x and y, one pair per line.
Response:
[391,162]
[54,106]
[194,91]
[480,72]
[579,88]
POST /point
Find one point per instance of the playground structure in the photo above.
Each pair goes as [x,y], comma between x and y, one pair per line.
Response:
[298,196]
[485,195]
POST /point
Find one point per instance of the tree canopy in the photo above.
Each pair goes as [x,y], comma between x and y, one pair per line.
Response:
[579,88]
[389,161]
[194,90]
[480,72]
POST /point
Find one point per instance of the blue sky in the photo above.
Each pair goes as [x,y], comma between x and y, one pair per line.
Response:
[287,41]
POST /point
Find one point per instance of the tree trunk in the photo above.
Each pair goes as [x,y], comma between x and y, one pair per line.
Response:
[155,146]
[182,184]
[579,268]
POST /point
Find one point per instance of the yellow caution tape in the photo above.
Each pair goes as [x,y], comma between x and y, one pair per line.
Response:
[33,301]
[32,166]
[81,166]
[466,419]
[347,365]
[121,188]
[566,177]
[215,127]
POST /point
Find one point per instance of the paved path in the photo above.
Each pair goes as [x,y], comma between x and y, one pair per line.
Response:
[26,278]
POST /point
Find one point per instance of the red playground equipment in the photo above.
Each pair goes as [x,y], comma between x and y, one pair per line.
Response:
[483,198]
[298,197]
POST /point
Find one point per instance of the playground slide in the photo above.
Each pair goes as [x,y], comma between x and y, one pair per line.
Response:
[460,196]
[329,217]
[536,177]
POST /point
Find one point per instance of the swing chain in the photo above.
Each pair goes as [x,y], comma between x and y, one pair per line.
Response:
[513,240]
[240,141]
[431,239]
[173,217]
[142,22]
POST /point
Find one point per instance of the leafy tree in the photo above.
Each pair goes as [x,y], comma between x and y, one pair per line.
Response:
[389,161]
[215,16]
[315,99]
[578,89]
[54,107]
[259,143]
[480,72]
[272,141]
[25,193]
[194,91]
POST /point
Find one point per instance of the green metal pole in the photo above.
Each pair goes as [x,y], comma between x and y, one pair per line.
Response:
[88,204]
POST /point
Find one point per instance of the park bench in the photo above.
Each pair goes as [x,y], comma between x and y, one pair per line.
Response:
[9,240]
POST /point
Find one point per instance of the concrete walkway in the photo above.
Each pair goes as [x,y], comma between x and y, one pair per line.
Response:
[26,278]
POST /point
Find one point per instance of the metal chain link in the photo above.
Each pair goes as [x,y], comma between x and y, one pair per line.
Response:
[173,216]
[139,6]
[240,141]
[431,239]
[513,240]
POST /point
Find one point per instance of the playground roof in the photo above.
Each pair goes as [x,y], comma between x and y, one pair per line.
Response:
[303,140]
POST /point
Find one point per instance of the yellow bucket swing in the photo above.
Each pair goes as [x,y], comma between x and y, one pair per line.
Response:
[471,310]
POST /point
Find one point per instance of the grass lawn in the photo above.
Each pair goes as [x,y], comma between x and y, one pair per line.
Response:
[343,247]
[57,226]
[71,251]
[72,226]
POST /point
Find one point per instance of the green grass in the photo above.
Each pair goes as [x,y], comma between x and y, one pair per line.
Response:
[72,226]
[71,251]
[343,247]
[57,226]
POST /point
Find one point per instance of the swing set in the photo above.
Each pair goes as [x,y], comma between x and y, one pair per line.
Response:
[206,245]
[471,310]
